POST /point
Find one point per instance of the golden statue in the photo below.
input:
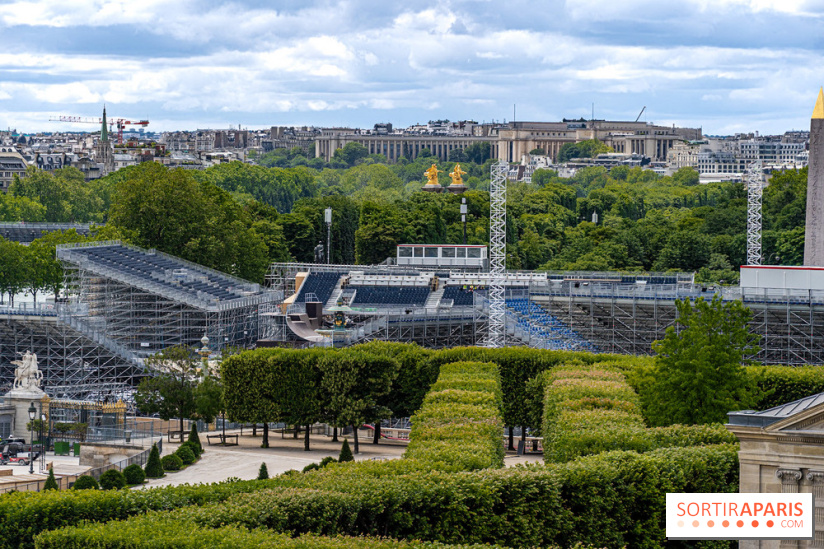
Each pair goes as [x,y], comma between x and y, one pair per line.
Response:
[432,175]
[456,174]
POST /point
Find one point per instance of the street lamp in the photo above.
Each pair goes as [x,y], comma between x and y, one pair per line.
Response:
[32,415]
[327,214]
[463,216]
[43,445]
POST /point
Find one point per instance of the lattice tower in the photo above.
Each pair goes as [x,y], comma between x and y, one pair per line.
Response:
[497,255]
[754,192]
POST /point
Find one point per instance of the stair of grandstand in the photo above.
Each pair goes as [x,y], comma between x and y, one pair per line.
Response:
[434,299]
[538,328]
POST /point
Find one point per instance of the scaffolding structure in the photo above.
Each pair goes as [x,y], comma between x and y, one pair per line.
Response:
[496,335]
[755,190]
[73,364]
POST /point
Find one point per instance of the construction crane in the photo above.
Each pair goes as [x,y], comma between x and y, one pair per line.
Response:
[640,113]
[120,123]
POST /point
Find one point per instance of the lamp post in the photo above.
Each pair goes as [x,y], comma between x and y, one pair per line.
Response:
[43,445]
[327,214]
[32,415]
[463,216]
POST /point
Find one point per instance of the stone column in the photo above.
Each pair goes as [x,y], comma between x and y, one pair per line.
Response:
[789,485]
[817,480]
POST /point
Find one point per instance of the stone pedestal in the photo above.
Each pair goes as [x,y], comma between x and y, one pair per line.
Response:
[20,400]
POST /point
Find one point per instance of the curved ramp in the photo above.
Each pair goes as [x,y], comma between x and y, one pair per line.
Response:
[303,330]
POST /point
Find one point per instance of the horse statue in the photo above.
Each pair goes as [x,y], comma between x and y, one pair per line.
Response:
[26,375]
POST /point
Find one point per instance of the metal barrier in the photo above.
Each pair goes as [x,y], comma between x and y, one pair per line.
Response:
[67,481]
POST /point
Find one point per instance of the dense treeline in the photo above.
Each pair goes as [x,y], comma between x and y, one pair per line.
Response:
[239,217]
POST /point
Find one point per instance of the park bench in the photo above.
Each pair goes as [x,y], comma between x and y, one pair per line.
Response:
[176,435]
[222,439]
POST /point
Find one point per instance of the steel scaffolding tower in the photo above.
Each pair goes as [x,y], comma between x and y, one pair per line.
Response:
[496,337]
[754,192]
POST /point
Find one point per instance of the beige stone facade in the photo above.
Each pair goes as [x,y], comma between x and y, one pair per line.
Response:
[783,454]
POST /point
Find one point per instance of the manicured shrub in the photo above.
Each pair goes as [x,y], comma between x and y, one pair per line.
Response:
[134,474]
[112,480]
[559,504]
[171,463]
[194,438]
[592,409]
[86,482]
[345,453]
[51,482]
[154,467]
[196,450]
[263,472]
[187,457]
[24,514]
[168,535]
[459,426]
[326,461]
[310,467]
[777,385]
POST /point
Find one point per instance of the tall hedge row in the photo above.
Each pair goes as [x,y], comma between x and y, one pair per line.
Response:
[25,514]
[592,409]
[160,532]
[615,499]
[459,426]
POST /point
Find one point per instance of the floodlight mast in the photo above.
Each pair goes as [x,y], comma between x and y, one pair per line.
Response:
[755,191]
[497,255]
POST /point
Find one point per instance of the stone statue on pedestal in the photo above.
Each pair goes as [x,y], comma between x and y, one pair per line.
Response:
[26,375]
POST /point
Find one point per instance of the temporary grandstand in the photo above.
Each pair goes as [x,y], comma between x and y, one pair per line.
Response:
[122,304]
[26,233]
[596,311]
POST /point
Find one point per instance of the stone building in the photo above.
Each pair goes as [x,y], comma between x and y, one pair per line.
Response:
[11,163]
[103,152]
[782,451]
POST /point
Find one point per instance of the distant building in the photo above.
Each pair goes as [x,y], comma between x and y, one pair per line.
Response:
[103,153]
[11,163]
[641,138]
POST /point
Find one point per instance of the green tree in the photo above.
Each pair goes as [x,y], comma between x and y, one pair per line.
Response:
[353,382]
[169,389]
[51,482]
[351,153]
[154,468]
[698,375]
[345,452]
[263,472]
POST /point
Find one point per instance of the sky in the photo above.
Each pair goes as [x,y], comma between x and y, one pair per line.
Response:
[726,66]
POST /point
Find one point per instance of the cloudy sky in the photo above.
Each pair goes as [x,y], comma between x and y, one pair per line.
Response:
[724,65]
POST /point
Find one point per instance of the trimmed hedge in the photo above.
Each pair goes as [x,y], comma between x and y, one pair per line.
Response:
[613,499]
[134,474]
[592,409]
[112,480]
[171,462]
[86,482]
[459,426]
[158,532]
[187,457]
[25,514]
[782,384]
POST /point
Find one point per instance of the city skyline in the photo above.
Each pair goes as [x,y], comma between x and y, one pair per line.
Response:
[726,66]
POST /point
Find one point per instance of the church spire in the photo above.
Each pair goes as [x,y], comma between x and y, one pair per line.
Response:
[104,133]
[818,111]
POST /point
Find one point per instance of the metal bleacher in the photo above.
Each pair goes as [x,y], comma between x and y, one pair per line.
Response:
[391,295]
[321,284]
[544,330]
